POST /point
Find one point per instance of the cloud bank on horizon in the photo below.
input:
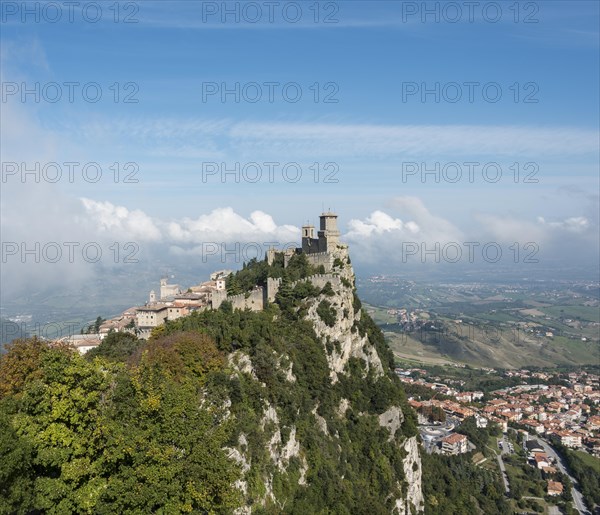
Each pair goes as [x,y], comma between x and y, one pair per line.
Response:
[404,236]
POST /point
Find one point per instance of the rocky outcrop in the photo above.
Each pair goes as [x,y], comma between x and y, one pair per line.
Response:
[348,342]
[413,477]
[392,419]
[240,362]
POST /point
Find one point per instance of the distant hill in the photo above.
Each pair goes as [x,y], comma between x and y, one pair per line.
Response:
[507,349]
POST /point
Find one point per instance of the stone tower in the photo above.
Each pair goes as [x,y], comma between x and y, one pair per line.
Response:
[308,239]
[152,297]
[329,234]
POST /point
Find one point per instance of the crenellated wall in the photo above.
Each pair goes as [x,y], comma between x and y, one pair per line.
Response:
[258,298]
[254,300]
[321,258]
[320,280]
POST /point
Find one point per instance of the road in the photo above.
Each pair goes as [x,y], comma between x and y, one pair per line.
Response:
[507,446]
[503,450]
[503,473]
[577,497]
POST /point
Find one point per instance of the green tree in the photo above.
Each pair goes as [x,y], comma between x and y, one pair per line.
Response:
[16,468]
[90,436]
[20,364]
[116,346]
[327,313]
[97,324]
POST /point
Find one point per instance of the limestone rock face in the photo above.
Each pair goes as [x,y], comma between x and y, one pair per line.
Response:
[392,419]
[347,341]
[413,474]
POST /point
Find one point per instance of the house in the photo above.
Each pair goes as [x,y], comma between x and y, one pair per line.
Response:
[149,317]
[534,425]
[593,423]
[454,443]
[477,396]
[555,488]
[220,274]
[541,460]
[569,439]
[118,324]
[481,421]
[190,299]
[177,311]
[464,397]
[83,342]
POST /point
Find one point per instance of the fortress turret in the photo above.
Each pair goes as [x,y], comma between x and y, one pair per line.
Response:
[329,234]
[308,238]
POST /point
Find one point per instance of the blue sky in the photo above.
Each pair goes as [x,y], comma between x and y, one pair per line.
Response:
[363,59]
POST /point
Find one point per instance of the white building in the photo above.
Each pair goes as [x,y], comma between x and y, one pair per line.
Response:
[149,317]
[454,443]
[84,342]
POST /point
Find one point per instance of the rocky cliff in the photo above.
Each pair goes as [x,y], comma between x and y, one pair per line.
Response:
[339,437]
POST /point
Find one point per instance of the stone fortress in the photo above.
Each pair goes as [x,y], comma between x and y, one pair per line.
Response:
[322,250]
[173,302]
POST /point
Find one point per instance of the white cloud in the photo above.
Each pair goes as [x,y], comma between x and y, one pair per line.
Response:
[224,224]
[224,138]
[382,237]
[387,140]
[384,240]
[120,222]
[577,224]
[511,229]
[377,223]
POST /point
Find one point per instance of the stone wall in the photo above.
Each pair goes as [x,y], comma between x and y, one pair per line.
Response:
[254,301]
[217,298]
[258,298]
[321,258]
[320,280]
[272,288]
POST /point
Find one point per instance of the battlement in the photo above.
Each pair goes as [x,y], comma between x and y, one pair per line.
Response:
[318,254]
[320,280]
[254,300]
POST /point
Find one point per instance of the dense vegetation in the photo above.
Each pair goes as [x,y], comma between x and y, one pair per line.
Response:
[475,378]
[91,436]
[255,273]
[454,486]
[478,436]
[144,427]
[376,468]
